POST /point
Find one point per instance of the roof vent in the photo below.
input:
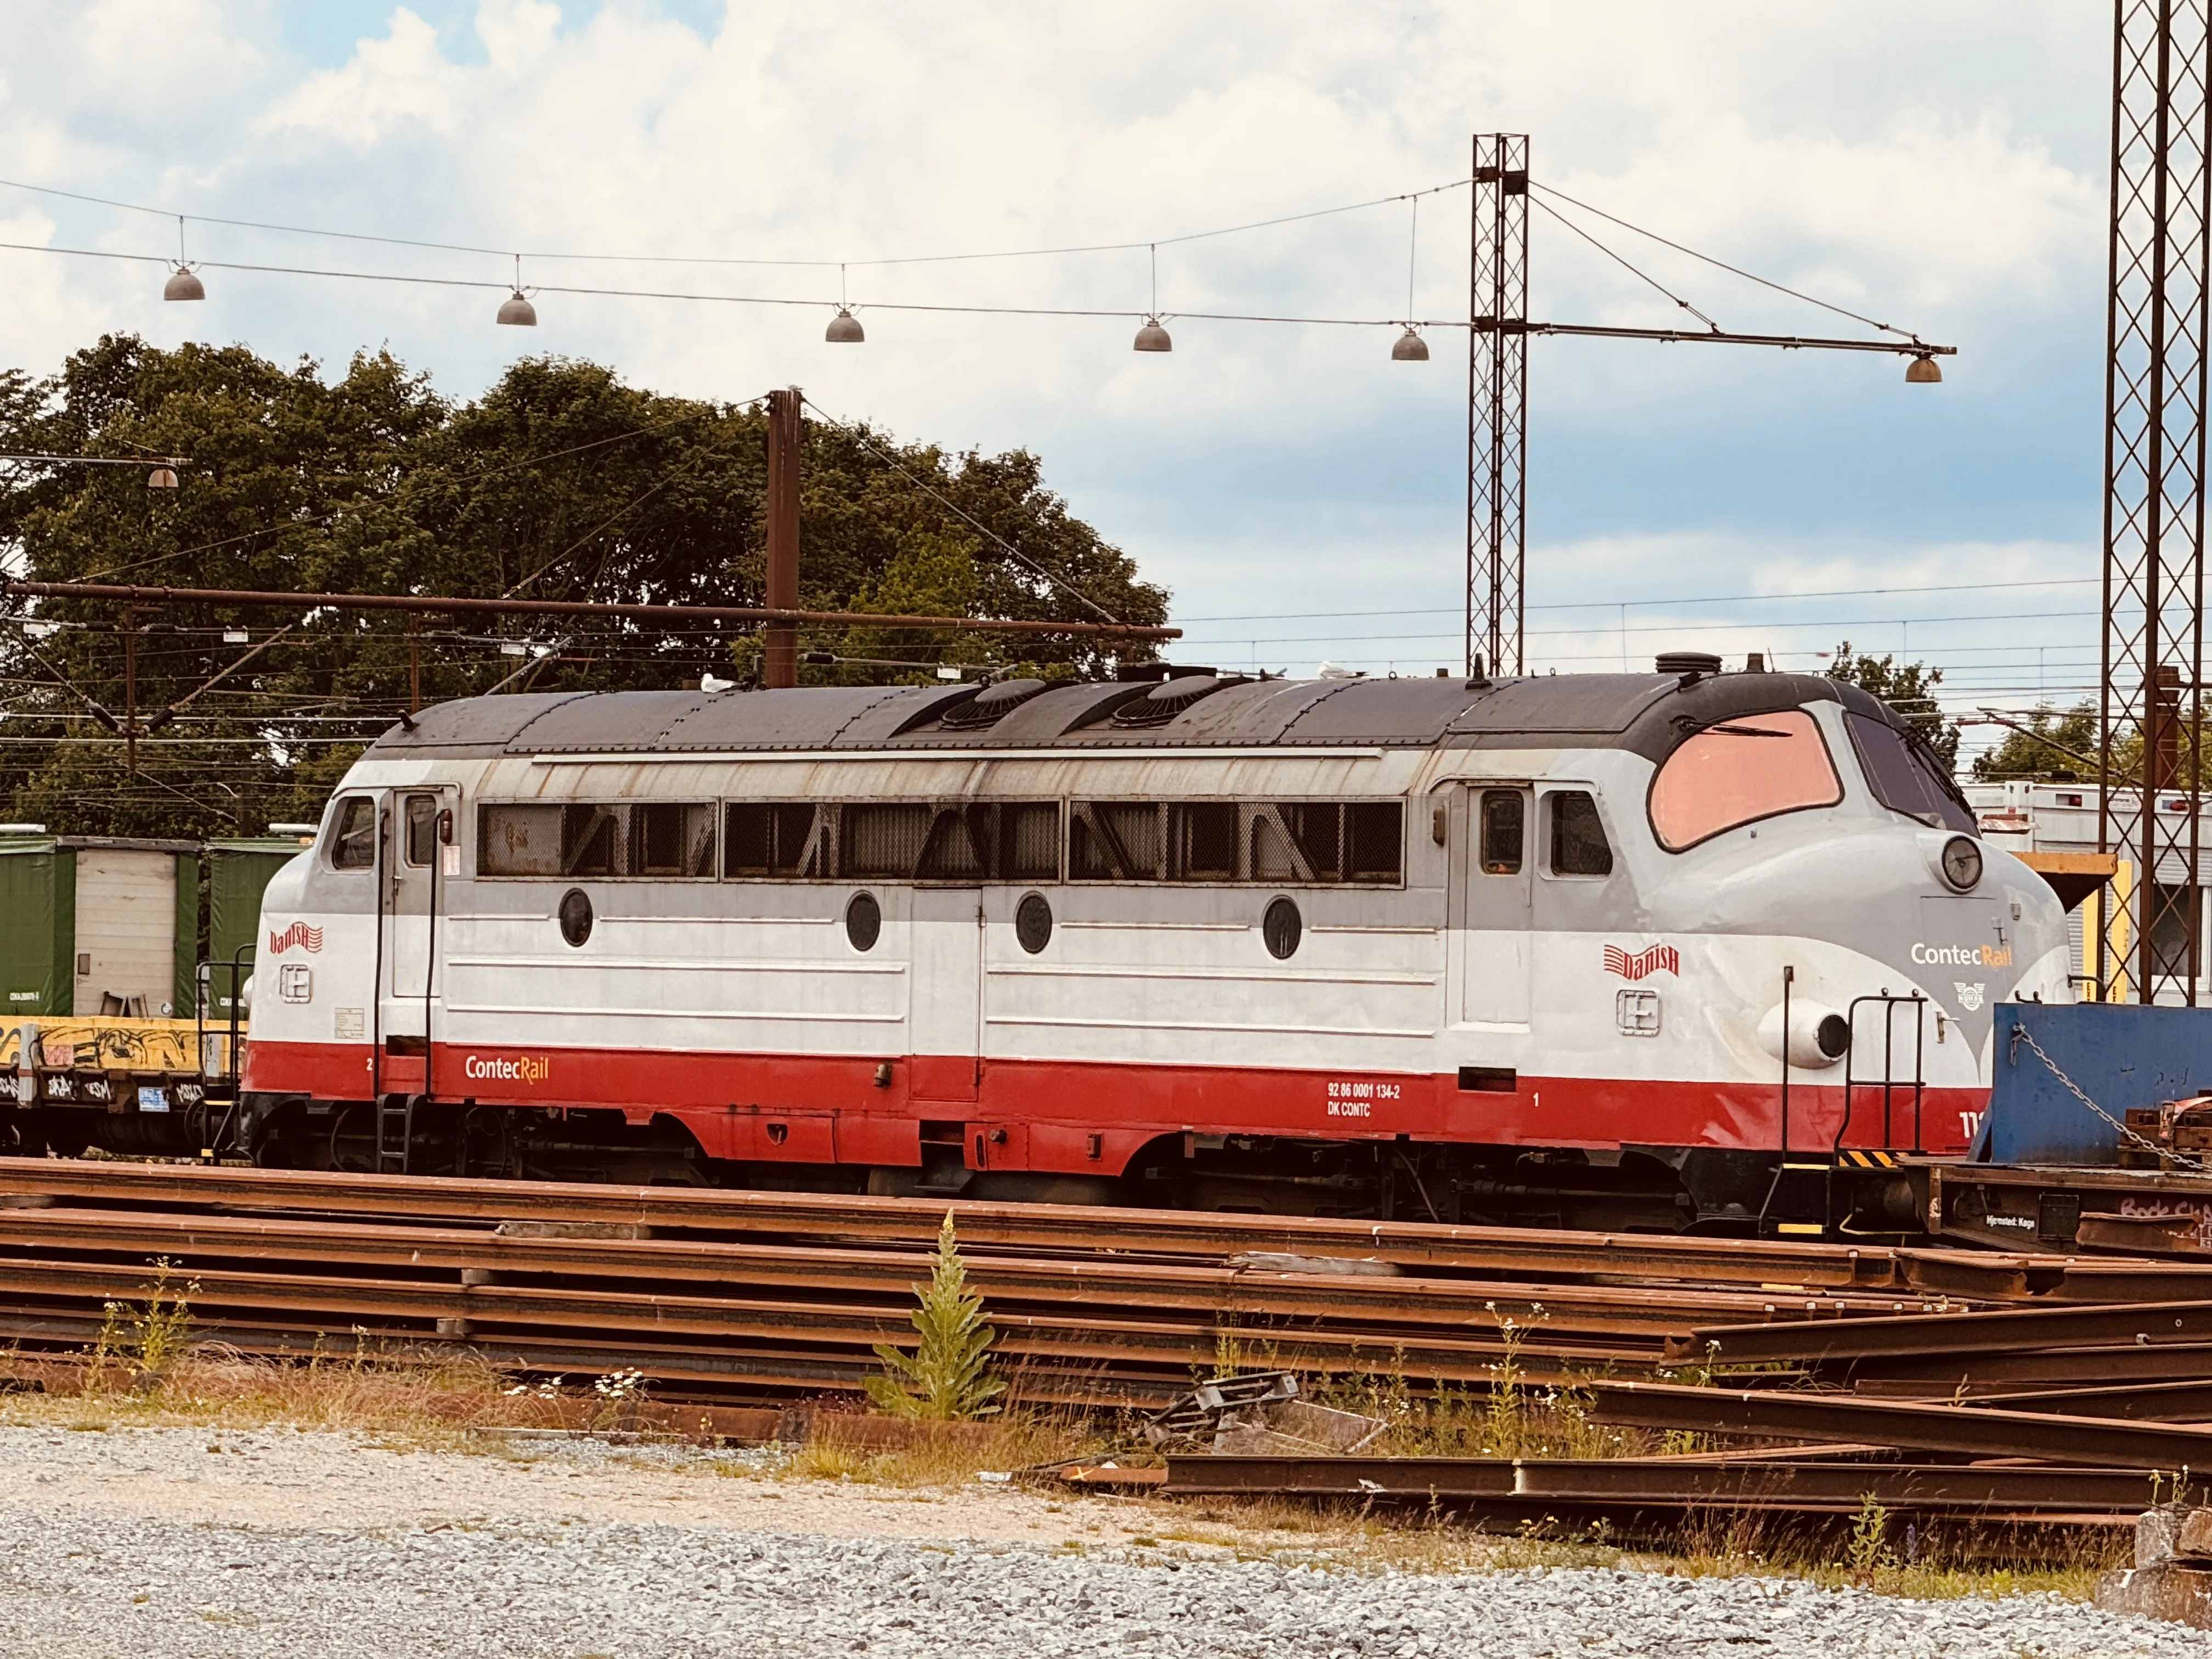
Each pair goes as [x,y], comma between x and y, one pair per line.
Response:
[988,705]
[1133,673]
[1688,662]
[1170,697]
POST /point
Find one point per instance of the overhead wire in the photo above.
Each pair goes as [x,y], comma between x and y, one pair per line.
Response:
[700,260]
[860,435]
[1723,264]
[1641,275]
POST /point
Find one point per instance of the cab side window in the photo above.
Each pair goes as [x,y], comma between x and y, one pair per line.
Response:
[353,836]
[1502,814]
[422,829]
[1577,833]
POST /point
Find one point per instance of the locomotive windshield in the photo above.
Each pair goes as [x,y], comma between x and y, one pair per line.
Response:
[1739,770]
[1905,776]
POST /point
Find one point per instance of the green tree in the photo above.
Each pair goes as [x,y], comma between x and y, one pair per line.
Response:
[1908,688]
[2072,746]
[560,482]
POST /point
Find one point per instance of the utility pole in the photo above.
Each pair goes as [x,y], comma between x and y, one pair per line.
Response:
[780,661]
[2148,943]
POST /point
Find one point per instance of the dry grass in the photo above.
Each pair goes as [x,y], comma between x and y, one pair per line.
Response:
[941,1454]
[213,1384]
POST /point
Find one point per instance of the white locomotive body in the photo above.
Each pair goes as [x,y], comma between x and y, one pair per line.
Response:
[1588,947]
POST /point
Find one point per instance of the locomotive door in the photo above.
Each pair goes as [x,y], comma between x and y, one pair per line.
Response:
[421,853]
[947,965]
[1493,870]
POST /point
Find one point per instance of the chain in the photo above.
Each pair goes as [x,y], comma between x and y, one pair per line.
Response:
[2021,1034]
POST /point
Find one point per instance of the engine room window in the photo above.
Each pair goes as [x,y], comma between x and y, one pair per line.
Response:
[1578,844]
[1905,776]
[590,841]
[1029,842]
[672,838]
[1739,770]
[770,838]
[958,847]
[884,839]
[518,840]
[1503,815]
[1116,840]
[1326,841]
[1205,834]
[353,838]
[1375,835]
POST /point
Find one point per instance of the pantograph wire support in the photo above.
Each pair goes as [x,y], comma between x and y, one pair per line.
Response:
[2147,921]
[1497,402]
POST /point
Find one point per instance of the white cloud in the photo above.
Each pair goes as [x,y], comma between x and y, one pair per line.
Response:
[1955,189]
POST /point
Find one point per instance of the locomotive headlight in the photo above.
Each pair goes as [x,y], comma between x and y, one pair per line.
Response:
[1962,863]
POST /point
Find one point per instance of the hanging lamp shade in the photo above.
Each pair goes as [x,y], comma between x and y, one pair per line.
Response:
[162,477]
[1923,371]
[844,329]
[1409,348]
[1152,337]
[517,311]
[183,285]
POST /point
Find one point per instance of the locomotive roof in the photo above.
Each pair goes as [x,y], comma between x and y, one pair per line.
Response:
[1646,712]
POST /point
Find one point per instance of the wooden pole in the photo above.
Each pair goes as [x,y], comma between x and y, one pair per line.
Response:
[780,666]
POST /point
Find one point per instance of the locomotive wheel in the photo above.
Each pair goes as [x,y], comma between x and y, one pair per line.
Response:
[352,1152]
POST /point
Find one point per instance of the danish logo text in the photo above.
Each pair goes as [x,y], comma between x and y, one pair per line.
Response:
[1653,959]
[307,938]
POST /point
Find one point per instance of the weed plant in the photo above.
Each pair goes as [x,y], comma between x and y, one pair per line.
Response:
[948,1377]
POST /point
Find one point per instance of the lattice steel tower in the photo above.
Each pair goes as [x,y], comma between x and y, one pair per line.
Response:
[1497,401]
[2146,922]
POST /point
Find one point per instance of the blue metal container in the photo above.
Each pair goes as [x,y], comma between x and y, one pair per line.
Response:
[2120,1055]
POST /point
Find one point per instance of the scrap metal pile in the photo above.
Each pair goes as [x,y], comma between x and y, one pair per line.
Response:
[2085,1400]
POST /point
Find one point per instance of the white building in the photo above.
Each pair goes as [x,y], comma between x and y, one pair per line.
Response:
[2052,826]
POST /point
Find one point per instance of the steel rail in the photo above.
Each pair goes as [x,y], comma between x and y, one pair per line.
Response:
[1972,1431]
[1774,1481]
[1946,1375]
[2004,1330]
[2186,1401]
[438,605]
[1788,1267]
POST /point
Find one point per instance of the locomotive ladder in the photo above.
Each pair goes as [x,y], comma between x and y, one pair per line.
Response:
[1801,1200]
[395,1133]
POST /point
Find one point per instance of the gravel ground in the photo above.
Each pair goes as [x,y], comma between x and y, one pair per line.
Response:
[147,1544]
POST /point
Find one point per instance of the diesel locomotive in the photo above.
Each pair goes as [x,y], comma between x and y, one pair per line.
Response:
[1612,950]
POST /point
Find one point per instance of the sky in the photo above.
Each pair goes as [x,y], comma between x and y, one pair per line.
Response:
[1937,166]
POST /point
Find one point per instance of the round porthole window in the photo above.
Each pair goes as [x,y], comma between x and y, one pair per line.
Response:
[1033,922]
[575,915]
[1280,927]
[864,921]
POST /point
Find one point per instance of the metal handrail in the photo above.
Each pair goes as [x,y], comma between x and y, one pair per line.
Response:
[1888,1083]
